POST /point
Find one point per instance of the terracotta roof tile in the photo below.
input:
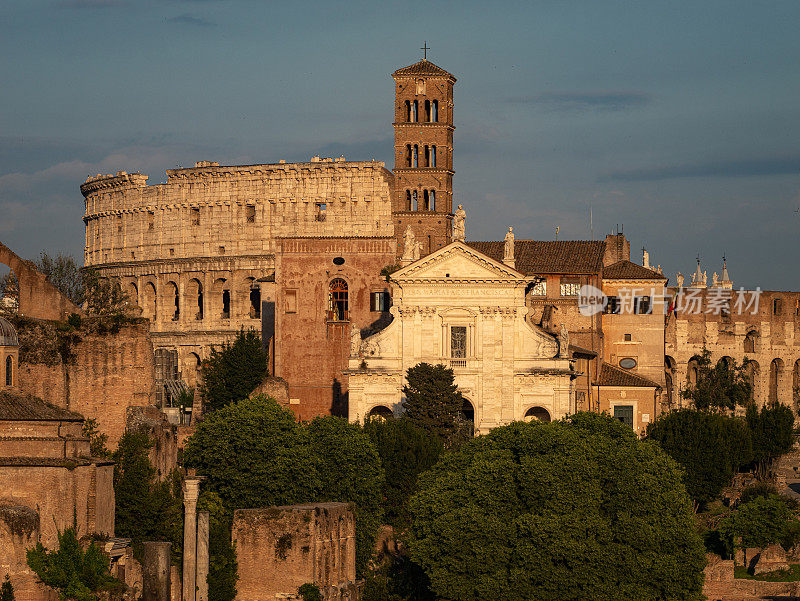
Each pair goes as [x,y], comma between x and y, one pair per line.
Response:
[539,257]
[610,375]
[627,270]
[25,407]
[423,67]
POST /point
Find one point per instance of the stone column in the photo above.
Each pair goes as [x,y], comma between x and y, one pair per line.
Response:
[156,584]
[202,555]
[191,490]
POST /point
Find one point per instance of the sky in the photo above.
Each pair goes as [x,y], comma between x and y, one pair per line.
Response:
[676,122]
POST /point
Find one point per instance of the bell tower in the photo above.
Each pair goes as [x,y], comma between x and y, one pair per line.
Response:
[423,155]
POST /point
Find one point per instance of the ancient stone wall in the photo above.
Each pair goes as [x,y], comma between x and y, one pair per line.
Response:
[315,341]
[768,338]
[106,374]
[279,549]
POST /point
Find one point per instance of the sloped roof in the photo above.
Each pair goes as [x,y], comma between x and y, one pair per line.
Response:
[26,407]
[611,375]
[539,257]
[423,67]
[627,270]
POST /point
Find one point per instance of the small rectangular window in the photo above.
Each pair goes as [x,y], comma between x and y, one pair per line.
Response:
[642,305]
[612,307]
[777,306]
[119,224]
[250,212]
[151,220]
[570,286]
[624,413]
[321,208]
[195,216]
[627,337]
[380,301]
[222,250]
[539,289]
[291,301]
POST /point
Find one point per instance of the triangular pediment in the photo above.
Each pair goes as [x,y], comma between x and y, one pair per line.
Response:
[457,261]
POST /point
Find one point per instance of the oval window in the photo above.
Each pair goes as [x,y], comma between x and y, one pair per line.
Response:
[627,363]
[338,261]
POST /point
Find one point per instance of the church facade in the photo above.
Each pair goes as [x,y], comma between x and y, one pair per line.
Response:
[461,308]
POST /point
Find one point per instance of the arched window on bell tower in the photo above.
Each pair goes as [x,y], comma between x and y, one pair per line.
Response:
[408,110]
[427,155]
[420,87]
[408,200]
[416,156]
[433,200]
[428,111]
[435,111]
[433,156]
[425,201]
[416,111]
[408,155]
[414,200]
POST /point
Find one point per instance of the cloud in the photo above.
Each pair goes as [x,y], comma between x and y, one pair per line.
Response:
[90,3]
[586,101]
[740,168]
[190,19]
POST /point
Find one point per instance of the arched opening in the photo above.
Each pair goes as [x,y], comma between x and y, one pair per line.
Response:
[425,201]
[194,364]
[693,371]
[194,298]
[427,156]
[428,110]
[669,378]
[416,156]
[337,300]
[172,301]
[432,206]
[539,414]
[9,371]
[725,362]
[408,200]
[416,111]
[255,299]
[414,200]
[150,301]
[750,341]
[133,294]
[408,155]
[221,303]
[420,87]
[435,111]
[380,413]
[408,110]
[433,156]
[166,364]
[752,370]
[468,417]
[775,377]
[796,387]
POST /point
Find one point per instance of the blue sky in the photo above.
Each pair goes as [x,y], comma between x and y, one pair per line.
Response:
[679,121]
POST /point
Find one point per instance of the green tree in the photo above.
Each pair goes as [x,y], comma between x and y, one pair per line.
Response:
[104,297]
[719,387]
[772,430]
[74,572]
[222,568]
[64,273]
[406,450]
[557,511]
[763,521]
[146,508]
[234,372]
[433,401]
[309,592]
[254,454]
[709,446]
[97,439]
[349,470]
[7,590]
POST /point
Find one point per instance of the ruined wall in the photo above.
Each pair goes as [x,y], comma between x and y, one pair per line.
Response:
[314,346]
[19,530]
[38,298]
[279,549]
[164,452]
[773,330]
[104,374]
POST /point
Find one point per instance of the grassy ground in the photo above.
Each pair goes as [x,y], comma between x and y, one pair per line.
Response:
[790,575]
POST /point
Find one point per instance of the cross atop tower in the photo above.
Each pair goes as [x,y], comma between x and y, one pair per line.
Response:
[425,49]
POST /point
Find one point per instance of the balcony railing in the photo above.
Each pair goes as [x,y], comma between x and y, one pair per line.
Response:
[454,363]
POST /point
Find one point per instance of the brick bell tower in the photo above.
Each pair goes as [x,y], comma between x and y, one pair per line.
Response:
[423,155]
